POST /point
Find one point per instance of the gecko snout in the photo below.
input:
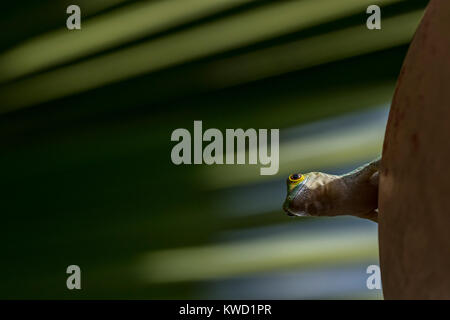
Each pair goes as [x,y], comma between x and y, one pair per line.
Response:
[296,208]
[286,208]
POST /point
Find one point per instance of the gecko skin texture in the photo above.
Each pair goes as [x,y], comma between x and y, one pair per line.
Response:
[321,194]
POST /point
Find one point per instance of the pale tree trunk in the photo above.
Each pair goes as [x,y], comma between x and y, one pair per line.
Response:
[414,195]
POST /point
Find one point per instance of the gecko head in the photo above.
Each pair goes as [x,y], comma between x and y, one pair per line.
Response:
[298,199]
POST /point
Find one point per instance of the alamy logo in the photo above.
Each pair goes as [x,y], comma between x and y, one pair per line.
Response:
[214,152]
[73,21]
[374,280]
[74,280]
[374,20]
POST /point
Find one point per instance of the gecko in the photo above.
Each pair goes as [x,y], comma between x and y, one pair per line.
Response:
[321,194]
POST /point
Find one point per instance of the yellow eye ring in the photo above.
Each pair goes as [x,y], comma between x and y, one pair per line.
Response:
[296,177]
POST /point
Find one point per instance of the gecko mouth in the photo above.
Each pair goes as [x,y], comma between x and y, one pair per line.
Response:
[286,208]
[301,214]
[290,213]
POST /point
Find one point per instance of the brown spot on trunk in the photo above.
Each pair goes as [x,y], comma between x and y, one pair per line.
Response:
[415,142]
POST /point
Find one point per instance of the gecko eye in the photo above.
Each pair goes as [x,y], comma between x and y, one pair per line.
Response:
[295,177]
